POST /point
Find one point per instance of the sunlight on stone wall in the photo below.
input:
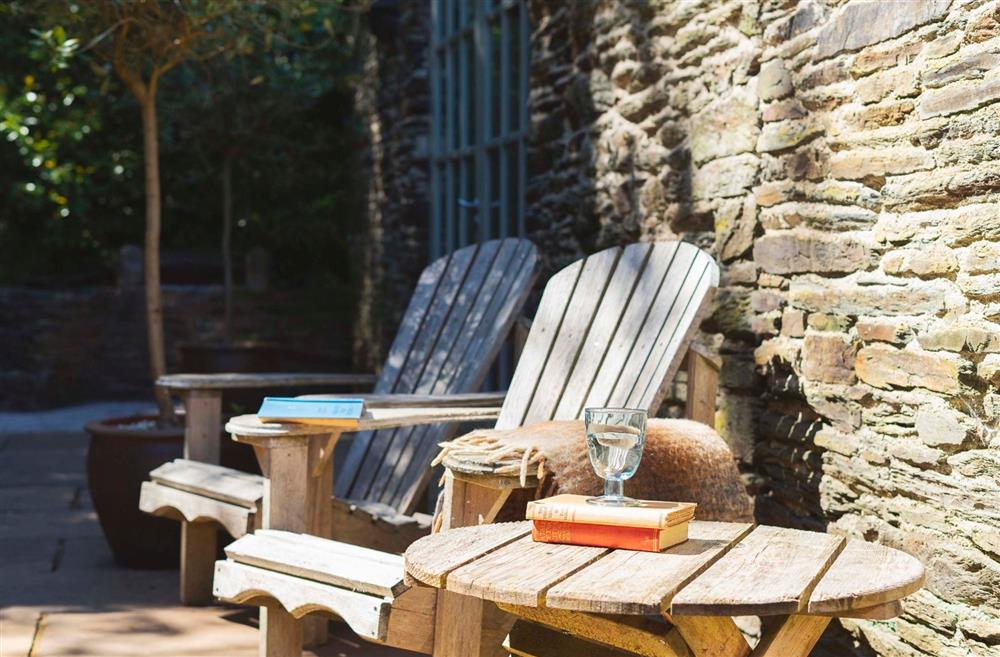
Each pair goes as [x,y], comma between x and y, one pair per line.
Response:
[840,159]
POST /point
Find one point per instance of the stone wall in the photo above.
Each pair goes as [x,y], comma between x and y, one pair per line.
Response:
[840,160]
[70,346]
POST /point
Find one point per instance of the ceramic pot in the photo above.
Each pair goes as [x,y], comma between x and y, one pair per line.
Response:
[122,451]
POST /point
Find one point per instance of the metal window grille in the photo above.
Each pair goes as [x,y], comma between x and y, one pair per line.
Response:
[479,88]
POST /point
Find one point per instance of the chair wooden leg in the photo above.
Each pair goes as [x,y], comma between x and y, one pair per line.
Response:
[280,633]
[199,540]
[299,479]
[203,425]
[198,548]
[316,629]
[467,504]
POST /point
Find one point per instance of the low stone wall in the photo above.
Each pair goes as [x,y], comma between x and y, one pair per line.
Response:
[64,347]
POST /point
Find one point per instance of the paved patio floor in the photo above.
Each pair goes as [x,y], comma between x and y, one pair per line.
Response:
[61,594]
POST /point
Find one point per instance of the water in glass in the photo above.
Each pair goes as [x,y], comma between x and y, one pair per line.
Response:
[615,438]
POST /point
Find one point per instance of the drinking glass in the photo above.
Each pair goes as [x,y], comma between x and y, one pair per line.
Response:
[615,438]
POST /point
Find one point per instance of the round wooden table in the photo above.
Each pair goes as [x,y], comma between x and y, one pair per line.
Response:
[724,570]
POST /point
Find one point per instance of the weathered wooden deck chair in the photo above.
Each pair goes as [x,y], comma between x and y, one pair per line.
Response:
[611,330]
[461,311]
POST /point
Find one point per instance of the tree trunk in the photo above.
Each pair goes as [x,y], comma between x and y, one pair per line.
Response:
[227,243]
[154,302]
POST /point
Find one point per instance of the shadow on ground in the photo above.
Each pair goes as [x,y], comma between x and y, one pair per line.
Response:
[61,593]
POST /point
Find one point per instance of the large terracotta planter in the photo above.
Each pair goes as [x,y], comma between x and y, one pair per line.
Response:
[122,451]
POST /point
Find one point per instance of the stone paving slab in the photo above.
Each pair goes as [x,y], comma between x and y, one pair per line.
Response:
[39,498]
[54,523]
[69,418]
[17,629]
[152,632]
[77,574]
[43,460]
[32,442]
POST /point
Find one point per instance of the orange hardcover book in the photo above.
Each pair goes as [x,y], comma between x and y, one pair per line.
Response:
[645,539]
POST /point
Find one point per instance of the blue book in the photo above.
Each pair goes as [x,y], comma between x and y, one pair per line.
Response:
[327,412]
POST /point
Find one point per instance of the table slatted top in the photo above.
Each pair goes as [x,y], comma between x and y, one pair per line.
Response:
[723,569]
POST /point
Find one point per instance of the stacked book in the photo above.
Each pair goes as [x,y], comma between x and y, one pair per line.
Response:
[651,526]
[344,413]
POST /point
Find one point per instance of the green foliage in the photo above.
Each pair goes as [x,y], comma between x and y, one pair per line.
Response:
[277,98]
[60,168]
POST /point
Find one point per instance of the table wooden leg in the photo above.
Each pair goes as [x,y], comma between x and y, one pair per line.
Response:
[469,627]
[532,640]
[711,636]
[636,635]
[465,626]
[199,540]
[794,637]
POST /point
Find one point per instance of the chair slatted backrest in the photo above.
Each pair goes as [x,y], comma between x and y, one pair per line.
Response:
[611,330]
[461,311]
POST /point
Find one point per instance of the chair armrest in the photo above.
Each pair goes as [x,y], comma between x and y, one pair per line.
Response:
[461,400]
[185,382]
[385,418]
[250,426]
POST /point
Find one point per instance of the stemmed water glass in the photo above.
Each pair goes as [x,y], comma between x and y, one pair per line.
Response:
[615,438]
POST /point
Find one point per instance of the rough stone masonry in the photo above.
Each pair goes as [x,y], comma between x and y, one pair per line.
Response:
[840,159]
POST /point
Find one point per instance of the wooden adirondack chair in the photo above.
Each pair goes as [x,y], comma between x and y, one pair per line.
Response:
[611,330]
[461,311]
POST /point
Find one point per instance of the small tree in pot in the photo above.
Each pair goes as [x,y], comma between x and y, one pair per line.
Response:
[139,42]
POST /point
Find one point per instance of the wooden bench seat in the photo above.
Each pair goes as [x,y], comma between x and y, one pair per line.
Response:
[193,508]
[215,481]
[197,492]
[307,574]
[331,562]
